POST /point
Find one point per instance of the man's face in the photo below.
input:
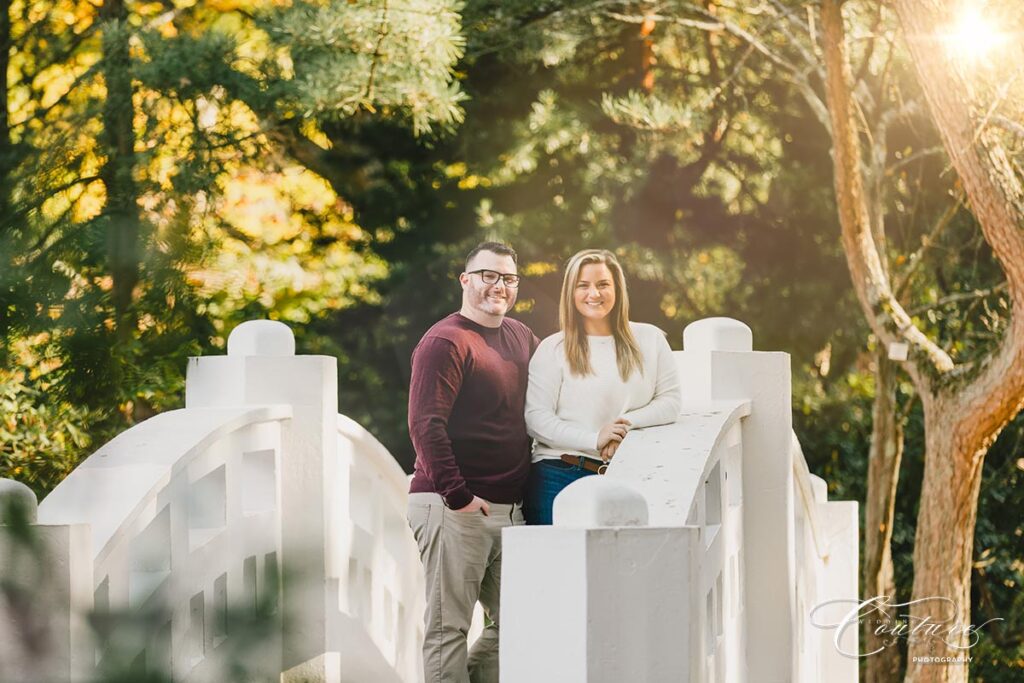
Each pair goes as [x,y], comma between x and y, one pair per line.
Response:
[490,300]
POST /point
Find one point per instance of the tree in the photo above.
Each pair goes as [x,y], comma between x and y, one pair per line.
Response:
[563,148]
[127,127]
[965,408]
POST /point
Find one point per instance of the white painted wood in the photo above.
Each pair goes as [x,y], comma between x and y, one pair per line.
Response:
[599,501]
[727,486]
[665,463]
[54,578]
[717,334]
[697,557]
[200,510]
[261,338]
[14,493]
[618,608]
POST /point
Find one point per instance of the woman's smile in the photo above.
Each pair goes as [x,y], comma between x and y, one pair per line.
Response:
[594,296]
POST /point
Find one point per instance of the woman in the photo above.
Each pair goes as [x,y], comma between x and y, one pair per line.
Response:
[601,376]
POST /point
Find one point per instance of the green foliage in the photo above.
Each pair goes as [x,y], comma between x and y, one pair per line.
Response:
[999,561]
[127,242]
[40,439]
[367,55]
[648,113]
[694,150]
[548,160]
[714,188]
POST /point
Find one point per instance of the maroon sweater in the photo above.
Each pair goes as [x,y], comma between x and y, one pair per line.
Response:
[466,404]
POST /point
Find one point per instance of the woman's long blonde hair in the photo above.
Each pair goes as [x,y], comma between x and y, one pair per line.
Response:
[577,350]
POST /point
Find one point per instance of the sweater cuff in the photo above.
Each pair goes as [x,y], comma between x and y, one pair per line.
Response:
[458,499]
[635,422]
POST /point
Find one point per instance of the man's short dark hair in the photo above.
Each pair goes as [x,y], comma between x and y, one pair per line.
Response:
[495,248]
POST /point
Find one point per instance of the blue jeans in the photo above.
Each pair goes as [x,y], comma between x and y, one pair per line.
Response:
[547,479]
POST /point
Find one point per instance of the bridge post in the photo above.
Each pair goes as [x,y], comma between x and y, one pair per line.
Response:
[718,362]
[599,597]
[47,575]
[261,368]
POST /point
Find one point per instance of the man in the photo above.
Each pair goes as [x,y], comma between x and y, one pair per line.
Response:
[466,406]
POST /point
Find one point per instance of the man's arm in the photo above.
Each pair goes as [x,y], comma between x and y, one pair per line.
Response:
[436,379]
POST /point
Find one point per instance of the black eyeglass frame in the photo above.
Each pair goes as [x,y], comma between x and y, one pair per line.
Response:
[504,277]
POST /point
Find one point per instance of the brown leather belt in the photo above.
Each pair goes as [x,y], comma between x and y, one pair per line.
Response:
[589,464]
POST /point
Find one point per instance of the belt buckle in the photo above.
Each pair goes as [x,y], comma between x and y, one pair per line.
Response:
[602,468]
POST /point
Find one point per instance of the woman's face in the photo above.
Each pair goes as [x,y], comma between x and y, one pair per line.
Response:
[594,294]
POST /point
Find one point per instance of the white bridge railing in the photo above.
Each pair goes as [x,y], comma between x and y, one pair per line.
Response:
[700,555]
[374,565]
[188,493]
[254,532]
[257,528]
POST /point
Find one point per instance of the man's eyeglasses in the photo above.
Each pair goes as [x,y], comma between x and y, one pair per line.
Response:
[491,277]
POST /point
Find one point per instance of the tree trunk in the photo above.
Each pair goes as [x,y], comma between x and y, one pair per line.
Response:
[943,547]
[887,318]
[647,54]
[121,210]
[6,153]
[883,476]
[886,449]
[962,417]
[963,422]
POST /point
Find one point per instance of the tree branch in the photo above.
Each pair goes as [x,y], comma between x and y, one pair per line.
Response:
[996,198]
[886,317]
[960,296]
[904,279]
[907,160]
[286,134]
[713,23]
[382,34]
[1008,125]
[869,52]
[875,173]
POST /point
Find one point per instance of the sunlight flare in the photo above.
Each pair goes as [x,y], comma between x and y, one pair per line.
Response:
[973,36]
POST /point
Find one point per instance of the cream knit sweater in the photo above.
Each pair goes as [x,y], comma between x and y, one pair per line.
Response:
[565,412]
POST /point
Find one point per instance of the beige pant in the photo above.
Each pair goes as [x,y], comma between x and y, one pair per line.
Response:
[461,554]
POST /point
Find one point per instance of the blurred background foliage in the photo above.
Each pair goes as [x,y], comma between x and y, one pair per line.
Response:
[172,168]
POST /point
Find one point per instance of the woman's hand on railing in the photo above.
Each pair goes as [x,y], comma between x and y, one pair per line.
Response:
[608,452]
[610,436]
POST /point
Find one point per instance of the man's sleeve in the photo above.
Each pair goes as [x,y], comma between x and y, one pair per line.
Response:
[436,380]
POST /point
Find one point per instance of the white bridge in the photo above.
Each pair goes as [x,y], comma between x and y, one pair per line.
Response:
[258,535]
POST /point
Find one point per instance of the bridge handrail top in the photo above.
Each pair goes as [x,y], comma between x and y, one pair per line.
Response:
[690,406]
[802,476]
[668,475]
[111,487]
[382,458]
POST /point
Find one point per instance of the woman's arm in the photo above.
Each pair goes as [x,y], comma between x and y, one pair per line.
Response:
[666,403]
[542,420]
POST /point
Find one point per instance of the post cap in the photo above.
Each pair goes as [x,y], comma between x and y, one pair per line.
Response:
[717,334]
[15,493]
[819,487]
[599,501]
[261,338]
